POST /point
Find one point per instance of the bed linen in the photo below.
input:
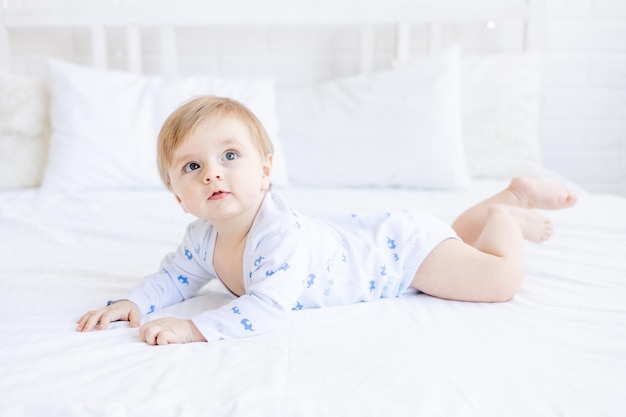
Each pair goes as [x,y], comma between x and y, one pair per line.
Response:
[558,348]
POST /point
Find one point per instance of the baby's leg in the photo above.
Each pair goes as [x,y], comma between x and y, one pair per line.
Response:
[489,266]
[491,271]
[522,192]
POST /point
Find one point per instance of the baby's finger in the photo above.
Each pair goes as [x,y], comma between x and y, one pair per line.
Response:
[148,333]
[90,320]
[106,318]
[81,322]
[165,337]
[134,317]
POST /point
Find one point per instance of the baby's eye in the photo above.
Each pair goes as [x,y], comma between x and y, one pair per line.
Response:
[230,156]
[191,166]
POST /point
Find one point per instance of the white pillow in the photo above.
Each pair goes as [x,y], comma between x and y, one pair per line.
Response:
[399,127]
[24,130]
[501,110]
[105,123]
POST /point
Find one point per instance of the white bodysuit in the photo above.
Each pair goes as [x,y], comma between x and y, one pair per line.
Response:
[292,261]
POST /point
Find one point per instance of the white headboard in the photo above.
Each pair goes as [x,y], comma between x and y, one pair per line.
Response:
[299,46]
[159,36]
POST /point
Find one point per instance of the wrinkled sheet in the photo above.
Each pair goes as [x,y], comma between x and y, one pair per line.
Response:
[559,348]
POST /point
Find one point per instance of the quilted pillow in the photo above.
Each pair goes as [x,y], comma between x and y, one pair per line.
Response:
[24,131]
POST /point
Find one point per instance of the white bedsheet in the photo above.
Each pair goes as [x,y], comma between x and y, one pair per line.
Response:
[559,348]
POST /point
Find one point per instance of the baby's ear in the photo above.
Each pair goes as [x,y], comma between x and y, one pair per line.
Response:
[178,199]
[267,171]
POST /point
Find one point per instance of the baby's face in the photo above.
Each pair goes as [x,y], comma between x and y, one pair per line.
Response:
[217,172]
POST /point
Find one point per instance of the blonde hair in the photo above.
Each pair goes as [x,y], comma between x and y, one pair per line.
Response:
[185,119]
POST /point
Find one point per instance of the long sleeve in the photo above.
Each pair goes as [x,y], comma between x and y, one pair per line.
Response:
[181,275]
[275,267]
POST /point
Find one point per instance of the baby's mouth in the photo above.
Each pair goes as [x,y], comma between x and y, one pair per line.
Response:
[218,195]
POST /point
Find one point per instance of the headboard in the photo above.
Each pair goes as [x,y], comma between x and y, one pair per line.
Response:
[294,41]
[309,50]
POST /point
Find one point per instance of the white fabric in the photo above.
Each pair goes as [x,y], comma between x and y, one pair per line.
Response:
[24,130]
[292,261]
[105,123]
[398,127]
[557,349]
[501,96]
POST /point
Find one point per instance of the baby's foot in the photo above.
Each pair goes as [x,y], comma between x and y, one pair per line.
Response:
[535,193]
[534,226]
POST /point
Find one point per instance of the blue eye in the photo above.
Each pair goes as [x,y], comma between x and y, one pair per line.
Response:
[230,156]
[191,166]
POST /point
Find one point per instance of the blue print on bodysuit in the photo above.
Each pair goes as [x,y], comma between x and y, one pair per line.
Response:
[283,267]
[391,243]
[188,254]
[152,308]
[236,310]
[294,214]
[310,281]
[383,270]
[298,306]
[258,260]
[182,279]
[247,325]
[372,285]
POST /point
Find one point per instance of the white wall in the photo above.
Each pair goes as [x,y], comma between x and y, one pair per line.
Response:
[583,125]
[583,122]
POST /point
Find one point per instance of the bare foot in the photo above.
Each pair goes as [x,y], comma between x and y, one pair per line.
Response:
[534,226]
[535,193]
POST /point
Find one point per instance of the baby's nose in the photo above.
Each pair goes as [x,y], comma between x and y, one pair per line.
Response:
[212,173]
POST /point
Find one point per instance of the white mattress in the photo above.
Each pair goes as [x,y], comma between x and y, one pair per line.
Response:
[559,348]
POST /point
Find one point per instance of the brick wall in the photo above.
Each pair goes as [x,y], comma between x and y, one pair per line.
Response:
[583,124]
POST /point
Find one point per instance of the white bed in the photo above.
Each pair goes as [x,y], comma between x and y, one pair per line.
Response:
[75,241]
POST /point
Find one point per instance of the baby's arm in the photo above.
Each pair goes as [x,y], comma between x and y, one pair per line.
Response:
[123,310]
[275,271]
[263,309]
[181,276]
[276,279]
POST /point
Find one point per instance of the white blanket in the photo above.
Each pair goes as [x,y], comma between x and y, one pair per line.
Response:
[559,348]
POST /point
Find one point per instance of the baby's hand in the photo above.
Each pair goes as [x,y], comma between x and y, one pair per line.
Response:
[170,330]
[99,319]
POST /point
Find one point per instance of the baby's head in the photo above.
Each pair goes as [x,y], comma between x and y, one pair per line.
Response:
[188,116]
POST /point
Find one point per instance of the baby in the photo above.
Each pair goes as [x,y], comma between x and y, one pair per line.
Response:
[216,158]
